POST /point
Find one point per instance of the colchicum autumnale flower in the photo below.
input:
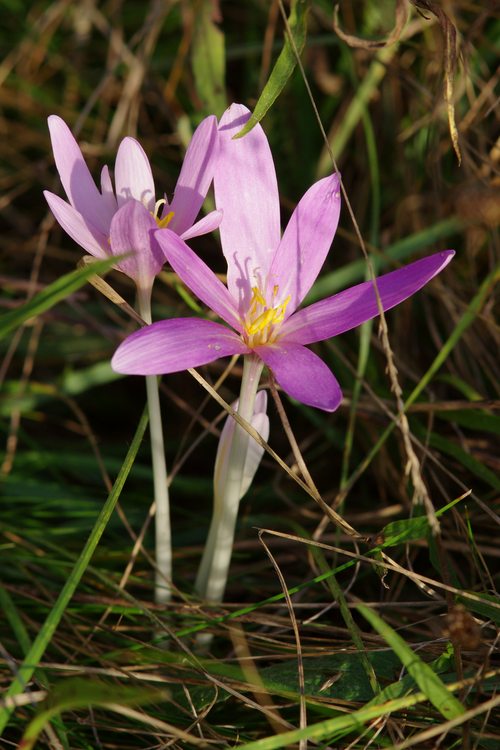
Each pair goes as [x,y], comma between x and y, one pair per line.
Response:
[119,221]
[268,277]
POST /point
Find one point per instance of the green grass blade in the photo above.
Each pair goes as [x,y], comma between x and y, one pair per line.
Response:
[208,60]
[48,629]
[284,66]
[428,681]
[76,693]
[52,294]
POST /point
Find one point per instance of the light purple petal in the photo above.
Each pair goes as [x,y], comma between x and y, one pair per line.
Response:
[302,374]
[133,176]
[196,175]
[353,306]
[174,345]
[198,277]
[246,190]
[132,230]
[75,176]
[107,191]
[209,223]
[80,230]
[305,243]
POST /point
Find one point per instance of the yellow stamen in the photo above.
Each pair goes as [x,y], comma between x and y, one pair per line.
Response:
[260,322]
[162,223]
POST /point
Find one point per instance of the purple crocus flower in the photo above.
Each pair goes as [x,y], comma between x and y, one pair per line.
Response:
[118,221]
[268,276]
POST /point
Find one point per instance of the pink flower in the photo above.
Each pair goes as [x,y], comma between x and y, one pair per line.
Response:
[108,221]
[268,277]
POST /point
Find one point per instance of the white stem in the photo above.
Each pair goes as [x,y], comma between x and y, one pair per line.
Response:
[214,568]
[163,574]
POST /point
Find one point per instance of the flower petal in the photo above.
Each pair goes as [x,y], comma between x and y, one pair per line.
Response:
[132,230]
[196,175]
[133,176]
[78,228]
[107,191]
[75,176]
[302,374]
[209,223]
[354,306]
[246,190]
[305,243]
[198,277]
[174,345]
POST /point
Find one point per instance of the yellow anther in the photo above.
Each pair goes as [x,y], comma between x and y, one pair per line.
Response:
[257,296]
[162,223]
[275,290]
[261,322]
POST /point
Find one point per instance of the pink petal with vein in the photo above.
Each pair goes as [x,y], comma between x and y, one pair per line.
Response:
[133,176]
[174,345]
[80,230]
[305,243]
[302,374]
[132,231]
[196,175]
[75,176]
[246,190]
[353,306]
[198,277]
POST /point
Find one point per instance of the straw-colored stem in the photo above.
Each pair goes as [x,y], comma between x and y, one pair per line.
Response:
[163,574]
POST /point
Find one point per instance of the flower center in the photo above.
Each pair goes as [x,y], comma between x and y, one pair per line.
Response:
[261,318]
[161,223]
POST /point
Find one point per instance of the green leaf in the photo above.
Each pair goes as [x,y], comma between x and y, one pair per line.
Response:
[52,294]
[423,674]
[284,66]
[208,59]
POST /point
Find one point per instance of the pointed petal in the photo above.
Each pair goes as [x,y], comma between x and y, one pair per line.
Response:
[196,175]
[305,243]
[75,176]
[107,191]
[133,176]
[302,374]
[132,230]
[209,223]
[74,224]
[246,190]
[198,277]
[353,306]
[174,345]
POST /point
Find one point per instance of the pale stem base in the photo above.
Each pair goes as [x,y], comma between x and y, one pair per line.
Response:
[163,535]
[214,568]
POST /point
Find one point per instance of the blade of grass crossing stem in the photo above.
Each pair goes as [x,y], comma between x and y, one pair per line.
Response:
[48,629]
[52,294]
[465,321]
[284,66]
[428,681]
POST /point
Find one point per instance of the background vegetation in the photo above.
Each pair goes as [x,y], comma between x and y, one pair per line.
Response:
[112,670]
